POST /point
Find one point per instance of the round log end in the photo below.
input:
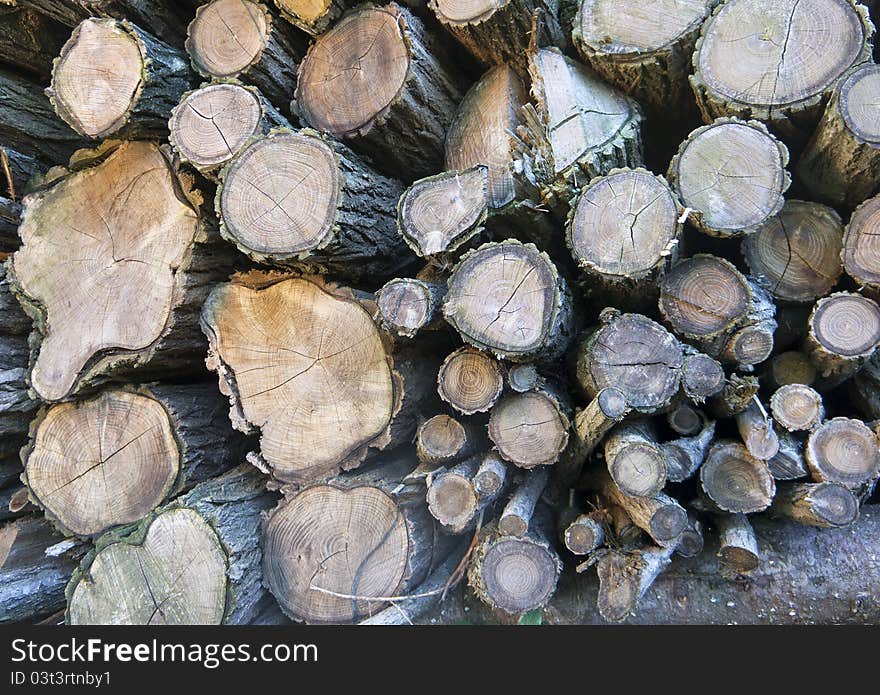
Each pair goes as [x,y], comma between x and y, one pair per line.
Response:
[227,37]
[843,450]
[529,429]
[470,380]
[735,480]
[518,574]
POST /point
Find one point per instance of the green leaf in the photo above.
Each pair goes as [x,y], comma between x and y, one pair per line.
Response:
[534,617]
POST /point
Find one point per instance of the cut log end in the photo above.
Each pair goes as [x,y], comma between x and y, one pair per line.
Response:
[735,480]
[529,429]
[797,407]
[470,381]
[844,332]
[440,439]
[583,535]
[227,37]
[843,450]
[825,505]
[452,500]
[635,461]
[861,248]
[490,476]
[857,98]
[405,306]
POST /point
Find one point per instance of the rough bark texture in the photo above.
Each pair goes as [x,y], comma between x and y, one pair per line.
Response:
[29,41]
[826,505]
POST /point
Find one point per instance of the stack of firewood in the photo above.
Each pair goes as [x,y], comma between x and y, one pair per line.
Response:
[321,310]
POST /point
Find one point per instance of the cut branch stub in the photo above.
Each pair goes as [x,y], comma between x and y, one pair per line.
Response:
[737,545]
[106,461]
[313,16]
[470,380]
[844,333]
[796,254]
[111,74]
[797,407]
[861,245]
[509,299]
[624,226]
[529,429]
[843,450]
[732,175]
[438,214]
[103,264]
[304,363]
[760,60]
[826,505]
[735,480]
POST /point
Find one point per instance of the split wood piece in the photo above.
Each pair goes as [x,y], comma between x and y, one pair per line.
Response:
[796,255]
[735,397]
[452,499]
[114,262]
[517,513]
[789,463]
[580,533]
[755,60]
[16,405]
[826,505]
[757,432]
[661,517]
[635,460]
[29,40]
[625,577]
[579,128]
[354,536]
[500,32]
[844,331]
[114,78]
[408,305]
[864,389]
[243,39]
[29,125]
[530,429]
[509,299]
[523,377]
[443,439]
[701,376]
[738,546]
[481,132]
[491,476]
[114,458]
[791,367]
[146,574]
[623,228]
[514,575]
[841,163]
[843,450]
[797,407]
[692,542]
[278,340]
[470,380]
[685,419]
[686,454]
[735,480]
[645,50]
[633,354]
[438,214]
[296,198]
[213,123]
[861,251]
[731,175]
[36,563]
[313,16]
[376,79]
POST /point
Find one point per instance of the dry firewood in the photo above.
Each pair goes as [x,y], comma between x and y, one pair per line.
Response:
[781,79]
[517,514]
[114,263]
[701,376]
[791,367]
[684,419]
[524,377]
[841,163]
[509,299]
[243,39]
[580,129]
[299,199]
[36,563]
[661,517]
[402,99]
[29,40]
[826,505]
[112,77]
[512,574]
[581,533]
[408,305]
[860,249]
[644,49]
[114,458]
[451,497]
[470,380]
[531,429]
[757,431]
[731,175]
[796,255]
[692,542]
[735,397]
[686,454]
[623,229]
[145,574]
[844,331]
[735,480]
[843,450]
[336,552]
[213,123]
[737,547]
[438,214]
[277,340]
[797,407]
[442,439]
[635,460]
[313,17]
[491,476]
[500,32]
[789,463]
[626,575]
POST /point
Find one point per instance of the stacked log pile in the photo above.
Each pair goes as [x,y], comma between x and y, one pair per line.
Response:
[323,311]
